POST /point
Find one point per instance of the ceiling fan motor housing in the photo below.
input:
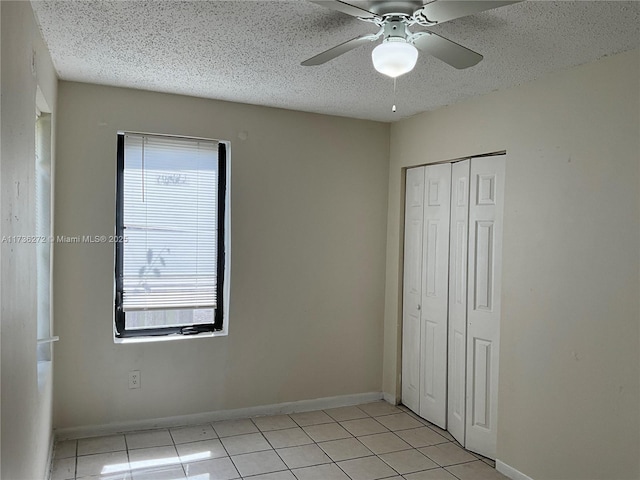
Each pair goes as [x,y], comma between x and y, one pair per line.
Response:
[406,7]
[395,28]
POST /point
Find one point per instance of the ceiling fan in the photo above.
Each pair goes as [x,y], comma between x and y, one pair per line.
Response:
[398,52]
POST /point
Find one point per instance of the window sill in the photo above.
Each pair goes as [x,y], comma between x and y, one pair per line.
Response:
[167,338]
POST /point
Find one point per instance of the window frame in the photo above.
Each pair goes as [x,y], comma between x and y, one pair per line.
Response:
[222,278]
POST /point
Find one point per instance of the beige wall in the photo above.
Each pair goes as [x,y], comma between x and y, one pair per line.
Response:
[569,366]
[26,410]
[309,201]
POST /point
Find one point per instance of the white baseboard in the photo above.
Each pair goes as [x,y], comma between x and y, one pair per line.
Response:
[387,397]
[215,416]
[511,472]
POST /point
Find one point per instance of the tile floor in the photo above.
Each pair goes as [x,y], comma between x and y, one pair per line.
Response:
[365,442]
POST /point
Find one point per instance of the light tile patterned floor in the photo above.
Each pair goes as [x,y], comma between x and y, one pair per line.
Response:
[365,442]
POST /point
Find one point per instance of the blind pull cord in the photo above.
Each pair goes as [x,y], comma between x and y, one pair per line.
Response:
[144,140]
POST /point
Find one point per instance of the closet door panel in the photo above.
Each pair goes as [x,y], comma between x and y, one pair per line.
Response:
[483,316]
[435,285]
[458,241]
[412,288]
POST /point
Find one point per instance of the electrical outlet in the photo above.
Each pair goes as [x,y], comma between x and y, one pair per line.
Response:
[134,379]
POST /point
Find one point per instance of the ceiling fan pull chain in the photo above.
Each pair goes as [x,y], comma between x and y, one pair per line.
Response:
[393,109]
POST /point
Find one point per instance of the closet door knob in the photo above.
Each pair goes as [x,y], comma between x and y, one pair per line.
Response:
[418,307]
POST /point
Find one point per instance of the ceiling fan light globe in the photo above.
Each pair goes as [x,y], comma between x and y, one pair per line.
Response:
[394,58]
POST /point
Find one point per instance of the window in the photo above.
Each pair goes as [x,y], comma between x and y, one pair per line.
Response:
[170,235]
[43,232]
[43,245]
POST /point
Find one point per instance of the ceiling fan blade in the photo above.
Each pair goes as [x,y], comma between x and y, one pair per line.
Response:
[338,50]
[441,11]
[345,8]
[449,52]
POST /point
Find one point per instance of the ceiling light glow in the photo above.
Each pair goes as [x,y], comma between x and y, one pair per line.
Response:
[394,57]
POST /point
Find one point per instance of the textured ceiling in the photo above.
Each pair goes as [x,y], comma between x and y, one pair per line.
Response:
[250,51]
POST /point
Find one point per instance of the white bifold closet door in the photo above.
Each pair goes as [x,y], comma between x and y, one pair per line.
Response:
[425,298]
[451,301]
[412,288]
[435,288]
[459,240]
[483,296]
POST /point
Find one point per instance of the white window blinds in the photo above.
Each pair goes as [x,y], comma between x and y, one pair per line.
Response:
[170,195]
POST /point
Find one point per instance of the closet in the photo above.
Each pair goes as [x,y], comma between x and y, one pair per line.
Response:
[451,297]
